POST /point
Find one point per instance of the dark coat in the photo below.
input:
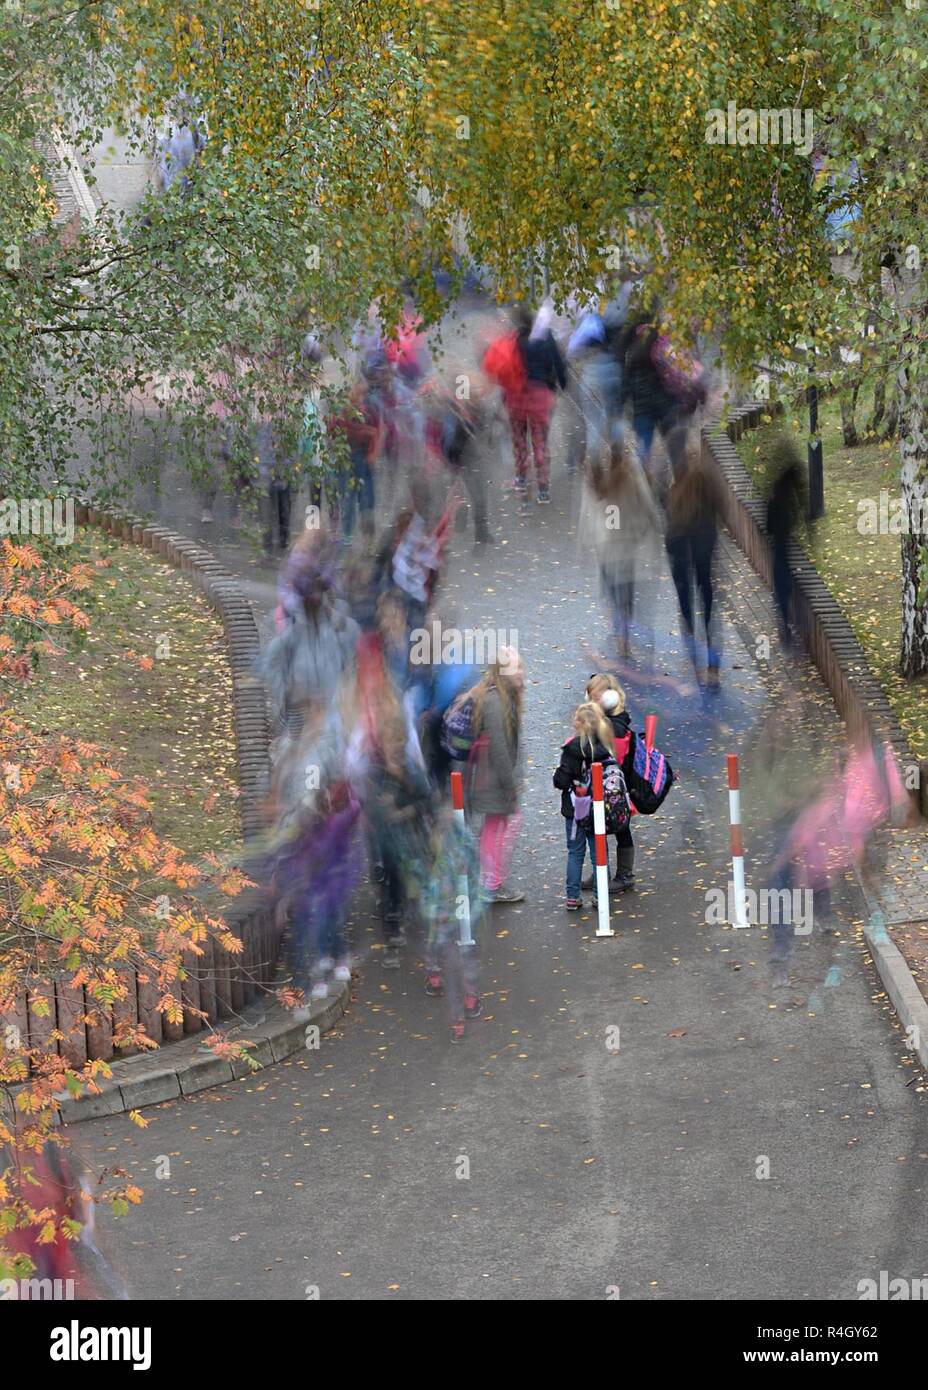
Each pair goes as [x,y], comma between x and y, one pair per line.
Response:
[575,764]
[543,361]
[694,505]
[641,382]
[621,726]
[574,767]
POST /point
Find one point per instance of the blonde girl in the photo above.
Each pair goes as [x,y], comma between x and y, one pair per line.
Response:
[604,690]
[592,742]
[495,782]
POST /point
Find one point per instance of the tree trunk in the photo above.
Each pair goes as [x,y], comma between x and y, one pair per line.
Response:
[913,656]
[879,405]
[892,419]
[848,401]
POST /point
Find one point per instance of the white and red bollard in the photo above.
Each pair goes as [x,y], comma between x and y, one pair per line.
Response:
[602,858]
[737,845]
[465,937]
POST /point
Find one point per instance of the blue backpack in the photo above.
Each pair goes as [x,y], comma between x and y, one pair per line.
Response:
[650,777]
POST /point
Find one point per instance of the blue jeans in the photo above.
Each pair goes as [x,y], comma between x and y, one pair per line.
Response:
[644,428]
[576,852]
[315,937]
[357,490]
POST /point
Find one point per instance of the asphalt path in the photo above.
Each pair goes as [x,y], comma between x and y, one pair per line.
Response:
[536,1160]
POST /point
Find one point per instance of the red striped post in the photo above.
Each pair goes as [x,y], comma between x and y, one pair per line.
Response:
[602,861]
[465,937]
[650,729]
[737,845]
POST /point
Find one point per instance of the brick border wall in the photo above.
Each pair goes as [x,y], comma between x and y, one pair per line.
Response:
[219,983]
[828,636]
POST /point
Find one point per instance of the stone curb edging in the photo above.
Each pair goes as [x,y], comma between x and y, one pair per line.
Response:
[907,999]
[826,632]
[157,1077]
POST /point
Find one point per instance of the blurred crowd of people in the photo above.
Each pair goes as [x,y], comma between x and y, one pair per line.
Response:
[363,761]
[367,730]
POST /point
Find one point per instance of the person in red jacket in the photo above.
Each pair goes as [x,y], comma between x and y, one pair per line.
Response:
[529,369]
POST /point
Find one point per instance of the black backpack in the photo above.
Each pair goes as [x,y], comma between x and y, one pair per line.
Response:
[456,433]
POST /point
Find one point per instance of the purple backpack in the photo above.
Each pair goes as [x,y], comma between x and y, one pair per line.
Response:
[457,728]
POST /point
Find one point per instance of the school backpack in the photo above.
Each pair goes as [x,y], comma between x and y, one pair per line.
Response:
[682,377]
[456,433]
[650,777]
[615,797]
[457,728]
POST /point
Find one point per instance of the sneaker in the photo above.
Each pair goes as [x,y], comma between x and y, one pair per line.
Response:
[320,990]
[457,1031]
[520,485]
[342,974]
[544,496]
[207,515]
[574,904]
[390,960]
[624,883]
[504,894]
[472,1005]
[433,984]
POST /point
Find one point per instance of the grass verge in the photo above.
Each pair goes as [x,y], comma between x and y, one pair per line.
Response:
[151,683]
[863,572]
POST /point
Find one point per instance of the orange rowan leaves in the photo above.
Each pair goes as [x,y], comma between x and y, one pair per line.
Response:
[83,863]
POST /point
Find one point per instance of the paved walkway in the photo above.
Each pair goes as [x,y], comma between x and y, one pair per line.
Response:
[344,1171]
[339,1171]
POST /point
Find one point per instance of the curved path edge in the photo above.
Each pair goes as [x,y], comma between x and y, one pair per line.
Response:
[183,1068]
